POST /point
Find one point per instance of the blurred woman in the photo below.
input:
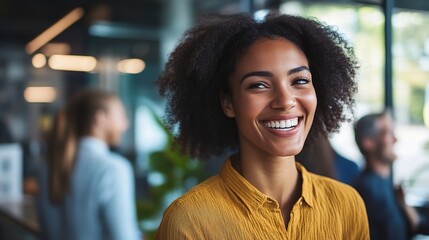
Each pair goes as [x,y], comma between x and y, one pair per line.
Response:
[86,191]
[260,87]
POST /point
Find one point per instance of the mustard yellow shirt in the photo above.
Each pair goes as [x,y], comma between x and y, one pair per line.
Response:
[227,206]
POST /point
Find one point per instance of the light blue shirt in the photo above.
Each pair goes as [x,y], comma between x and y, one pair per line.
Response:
[101,203]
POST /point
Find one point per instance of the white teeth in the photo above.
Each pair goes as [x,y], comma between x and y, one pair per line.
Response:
[282,124]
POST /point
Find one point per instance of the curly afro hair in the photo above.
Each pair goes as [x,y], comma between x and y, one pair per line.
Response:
[198,70]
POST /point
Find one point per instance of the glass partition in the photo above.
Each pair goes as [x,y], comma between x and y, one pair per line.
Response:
[411,100]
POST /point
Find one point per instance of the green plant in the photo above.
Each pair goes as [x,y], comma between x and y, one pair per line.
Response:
[178,173]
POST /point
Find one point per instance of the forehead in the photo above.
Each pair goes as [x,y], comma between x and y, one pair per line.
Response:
[114,103]
[267,53]
[385,122]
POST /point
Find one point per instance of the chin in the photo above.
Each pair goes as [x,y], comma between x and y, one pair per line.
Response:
[286,152]
[113,143]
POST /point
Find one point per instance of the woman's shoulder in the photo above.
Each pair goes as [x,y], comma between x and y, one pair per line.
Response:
[105,168]
[345,202]
[189,212]
[328,187]
[109,162]
[207,192]
[206,197]
[116,160]
[339,196]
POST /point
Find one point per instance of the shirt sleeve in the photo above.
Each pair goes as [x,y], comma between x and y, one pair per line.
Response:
[117,197]
[178,224]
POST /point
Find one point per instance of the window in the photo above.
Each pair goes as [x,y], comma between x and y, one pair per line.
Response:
[411,98]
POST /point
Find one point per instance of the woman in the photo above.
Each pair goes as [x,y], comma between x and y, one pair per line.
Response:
[260,87]
[86,191]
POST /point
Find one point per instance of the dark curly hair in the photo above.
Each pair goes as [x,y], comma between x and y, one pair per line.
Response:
[200,66]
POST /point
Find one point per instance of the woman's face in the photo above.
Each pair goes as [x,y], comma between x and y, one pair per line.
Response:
[117,122]
[272,98]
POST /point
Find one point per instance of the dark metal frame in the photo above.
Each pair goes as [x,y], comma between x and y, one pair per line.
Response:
[388,66]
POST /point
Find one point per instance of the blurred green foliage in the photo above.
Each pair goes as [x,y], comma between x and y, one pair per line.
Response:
[179,173]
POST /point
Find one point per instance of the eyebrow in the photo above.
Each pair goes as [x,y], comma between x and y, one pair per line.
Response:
[257,74]
[269,74]
[297,70]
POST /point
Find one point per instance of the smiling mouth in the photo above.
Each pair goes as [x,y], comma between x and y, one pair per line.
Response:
[284,125]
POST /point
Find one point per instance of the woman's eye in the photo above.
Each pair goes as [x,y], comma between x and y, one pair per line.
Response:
[258,85]
[301,81]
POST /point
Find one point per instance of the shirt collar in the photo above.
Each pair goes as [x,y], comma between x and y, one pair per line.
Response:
[92,144]
[307,190]
[252,197]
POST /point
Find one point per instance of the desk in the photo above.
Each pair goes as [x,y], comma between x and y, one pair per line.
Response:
[21,213]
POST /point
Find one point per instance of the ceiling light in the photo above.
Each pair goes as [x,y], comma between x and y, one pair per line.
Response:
[54,30]
[40,94]
[131,66]
[38,60]
[72,63]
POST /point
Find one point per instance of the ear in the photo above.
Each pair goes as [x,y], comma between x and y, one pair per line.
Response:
[368,144]
[226,102]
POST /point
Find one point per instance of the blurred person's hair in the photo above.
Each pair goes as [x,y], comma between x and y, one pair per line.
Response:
[73,122]
[366,127]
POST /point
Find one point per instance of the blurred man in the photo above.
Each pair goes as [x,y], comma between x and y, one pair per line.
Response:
[389,216]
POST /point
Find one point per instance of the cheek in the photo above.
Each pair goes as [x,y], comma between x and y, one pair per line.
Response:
[121,128]
[124,123]
[309,102]
[388,143]
[118,125]
[248,106]
[121,121]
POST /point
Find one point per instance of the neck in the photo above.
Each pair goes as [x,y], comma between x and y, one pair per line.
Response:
[379,167]
[98,135]
[276,177]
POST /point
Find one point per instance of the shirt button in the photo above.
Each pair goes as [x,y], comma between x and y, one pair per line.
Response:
[300,203]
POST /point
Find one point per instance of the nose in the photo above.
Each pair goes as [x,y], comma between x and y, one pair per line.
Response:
[283,98]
